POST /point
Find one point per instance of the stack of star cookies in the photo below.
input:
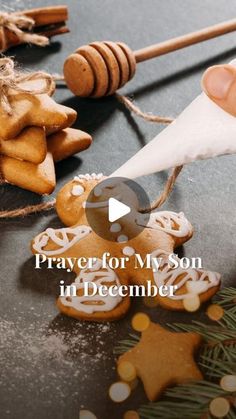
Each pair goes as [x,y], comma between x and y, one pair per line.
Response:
[34,136]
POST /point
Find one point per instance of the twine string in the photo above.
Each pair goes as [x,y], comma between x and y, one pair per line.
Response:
[127,102]
[165,193]
[9,79]
[30,209]
[18,24]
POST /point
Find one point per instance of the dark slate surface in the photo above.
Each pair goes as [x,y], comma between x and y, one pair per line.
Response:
[49,364]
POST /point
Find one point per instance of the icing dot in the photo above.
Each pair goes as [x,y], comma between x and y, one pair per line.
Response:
[140,322]
[128,251]
[86,414]
[77,190]
[131,414]
[215,312]
[115,228]
[97,191]
[219,407]
[122,238]
[228,383]
[191,302]
[126,371]
[119,392]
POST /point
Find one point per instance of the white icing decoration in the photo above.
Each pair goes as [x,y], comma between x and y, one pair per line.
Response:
[168,276]
[197,287]
[128,251]
[77,190]
[101,276]
[122,238]
[60,238]
[167,221]
[115,228]
[97,191]
[98,204]
[87,176]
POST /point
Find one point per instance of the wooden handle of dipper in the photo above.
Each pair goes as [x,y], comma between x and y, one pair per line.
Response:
[101,68]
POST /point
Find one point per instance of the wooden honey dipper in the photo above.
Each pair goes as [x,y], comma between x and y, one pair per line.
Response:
[101,68]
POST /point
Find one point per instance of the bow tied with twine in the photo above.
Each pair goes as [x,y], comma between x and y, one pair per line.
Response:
[11,79]
[17,24]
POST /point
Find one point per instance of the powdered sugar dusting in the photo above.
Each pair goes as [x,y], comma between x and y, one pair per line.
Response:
[45,356]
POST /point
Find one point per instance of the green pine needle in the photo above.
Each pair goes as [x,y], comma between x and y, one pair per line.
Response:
[227,299]
[126,344]
[186,401]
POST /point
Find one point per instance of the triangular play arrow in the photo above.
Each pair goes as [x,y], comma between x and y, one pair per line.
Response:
[117,210]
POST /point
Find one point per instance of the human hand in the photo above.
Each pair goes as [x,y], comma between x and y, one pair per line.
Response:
[219,83]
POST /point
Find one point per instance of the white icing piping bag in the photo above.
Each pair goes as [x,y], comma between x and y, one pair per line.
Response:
[202,131]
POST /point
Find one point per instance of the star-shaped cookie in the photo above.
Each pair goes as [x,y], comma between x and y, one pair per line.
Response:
[18,168]
[163,359]
[32,110]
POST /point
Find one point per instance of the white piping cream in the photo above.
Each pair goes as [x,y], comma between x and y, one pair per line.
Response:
[128,251]
[94,303]
[87,176]
[167,221]
[168,276]
[115,228]
[122,238]
[77,190]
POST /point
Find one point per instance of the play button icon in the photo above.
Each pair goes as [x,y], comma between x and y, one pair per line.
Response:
[117,210]
[113,207]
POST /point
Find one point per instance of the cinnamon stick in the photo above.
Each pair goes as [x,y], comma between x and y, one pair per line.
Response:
[46,15]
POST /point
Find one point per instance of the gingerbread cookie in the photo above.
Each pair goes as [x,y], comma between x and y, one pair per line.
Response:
[36,178]
[67,142]
[165,231]
[162,359]
[71,116]
[40,178]
[30,110]
[30,145]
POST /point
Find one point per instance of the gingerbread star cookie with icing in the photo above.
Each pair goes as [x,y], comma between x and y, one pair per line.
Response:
[162,359]
[165,231]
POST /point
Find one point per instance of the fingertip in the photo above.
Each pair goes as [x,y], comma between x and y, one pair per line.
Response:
[217,81]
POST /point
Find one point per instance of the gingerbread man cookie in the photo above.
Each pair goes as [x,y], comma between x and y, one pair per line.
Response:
[165,231]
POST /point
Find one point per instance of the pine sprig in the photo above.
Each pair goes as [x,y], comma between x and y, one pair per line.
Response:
[126,344]
[227,299]
[187,401]
[223,331]
[217,359]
